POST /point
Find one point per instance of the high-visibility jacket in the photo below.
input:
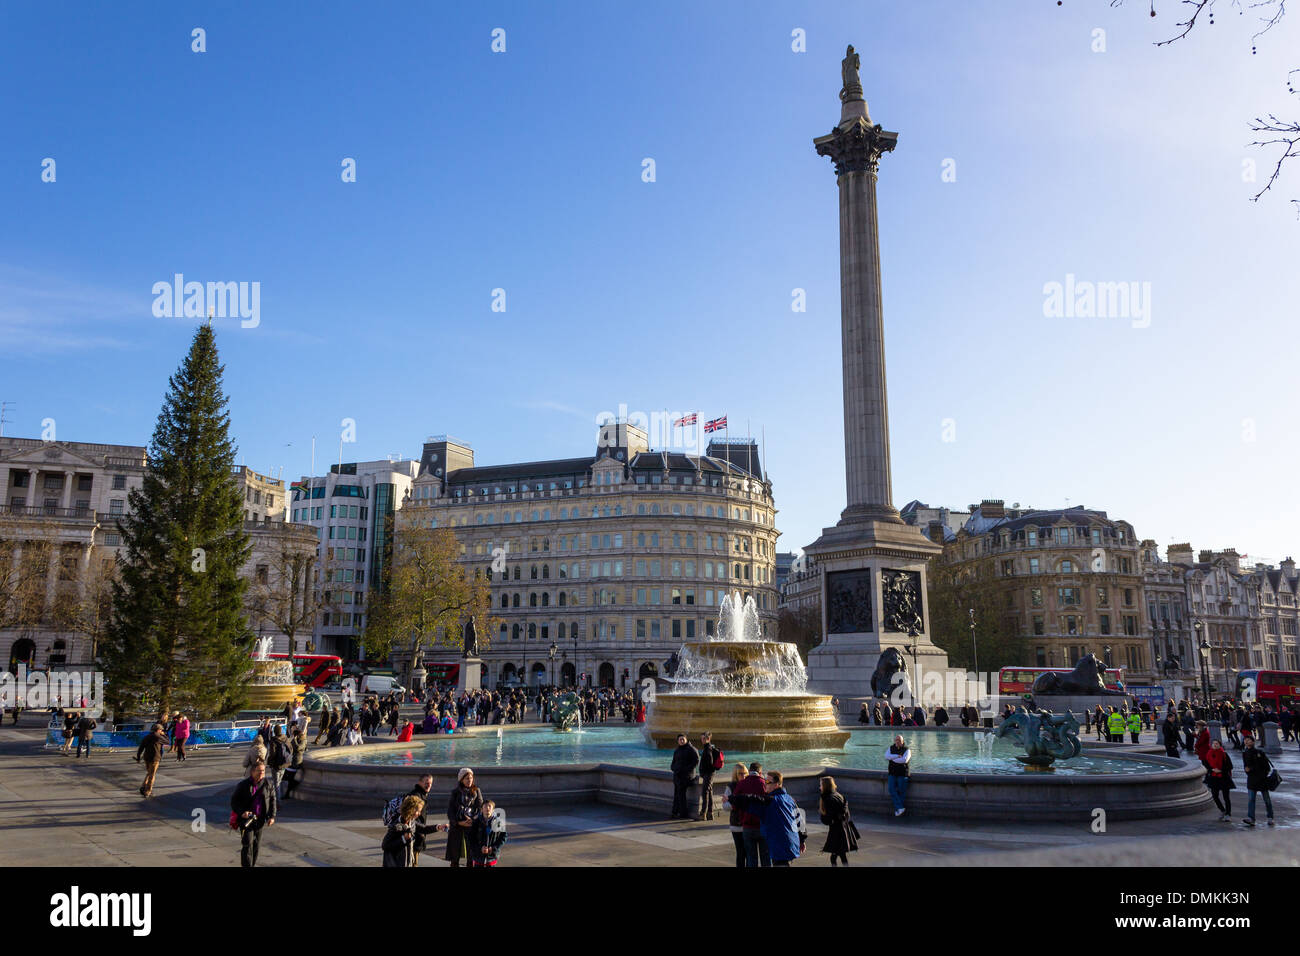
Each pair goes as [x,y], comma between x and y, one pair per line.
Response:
[1134,723]
[1115,723]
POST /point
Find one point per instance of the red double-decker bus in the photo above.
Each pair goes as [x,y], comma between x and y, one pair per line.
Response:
[1279,688]
[1015,681]
[314,670]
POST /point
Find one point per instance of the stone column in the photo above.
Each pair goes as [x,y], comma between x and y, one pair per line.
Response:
[855,147]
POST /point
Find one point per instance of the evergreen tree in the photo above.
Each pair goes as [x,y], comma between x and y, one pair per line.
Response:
[178,638]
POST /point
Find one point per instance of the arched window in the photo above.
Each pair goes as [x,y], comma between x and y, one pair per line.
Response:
[573,630]
[515,601]
[532,572]
[546,571]
[514,633]
[532,632]
[534,514]
[546,599]
[532,600]
[563,599]
[564,513]
[505,600]
[516,572]
[563,571]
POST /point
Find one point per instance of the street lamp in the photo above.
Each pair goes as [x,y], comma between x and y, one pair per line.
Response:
[973,648]
[1203,646]
[553,649]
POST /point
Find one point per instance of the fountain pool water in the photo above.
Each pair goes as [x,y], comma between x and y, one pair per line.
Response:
[749,693]
[932,752]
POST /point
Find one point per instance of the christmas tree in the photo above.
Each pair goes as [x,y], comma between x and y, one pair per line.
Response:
[178,638]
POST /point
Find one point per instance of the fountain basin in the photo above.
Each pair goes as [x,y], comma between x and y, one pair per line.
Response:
[748,722]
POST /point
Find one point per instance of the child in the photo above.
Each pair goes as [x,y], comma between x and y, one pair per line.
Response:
[484,841]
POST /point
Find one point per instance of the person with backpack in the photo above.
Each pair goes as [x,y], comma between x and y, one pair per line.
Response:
[278,756]
[399,841]
[1260,778]
[711,761]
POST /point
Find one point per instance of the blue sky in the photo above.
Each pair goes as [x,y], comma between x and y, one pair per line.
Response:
[522,171]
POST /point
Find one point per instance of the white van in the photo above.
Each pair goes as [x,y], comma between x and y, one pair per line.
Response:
[380,685]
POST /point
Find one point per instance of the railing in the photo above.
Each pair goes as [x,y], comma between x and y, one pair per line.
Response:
[42,511]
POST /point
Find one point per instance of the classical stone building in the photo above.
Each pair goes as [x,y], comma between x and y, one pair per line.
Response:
[1071,579]
[1280,613]
[615,558]
[59,542]
[349,510]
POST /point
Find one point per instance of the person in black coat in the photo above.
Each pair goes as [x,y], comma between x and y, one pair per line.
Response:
[465,804]
[254,806]
[685,759]
[940,716]
[422,827]
[1169,733]
[399,841]
[841,834]
[1258,768]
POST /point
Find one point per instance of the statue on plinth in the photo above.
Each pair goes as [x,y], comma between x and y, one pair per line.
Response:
[852,89]
[469,640]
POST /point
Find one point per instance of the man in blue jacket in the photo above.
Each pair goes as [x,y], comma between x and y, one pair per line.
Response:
[779,819]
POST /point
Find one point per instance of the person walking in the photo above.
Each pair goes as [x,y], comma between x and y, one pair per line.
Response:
[465,803]
[1135,726]
[841,834]
[900,759]
[733,819]
[1218,778]
[256,754]
[863,716]
[297,753]
[1169,733]
[253,806]
[151,748]
[1201,745]
[326,724]
[778,819]
[1099,722]
[1258,771]
[685,759]
[278,756]
[399,841]
[85,733]
[711,761]
[69,731]
[182,735]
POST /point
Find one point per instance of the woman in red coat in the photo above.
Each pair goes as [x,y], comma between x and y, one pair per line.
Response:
[1218,777]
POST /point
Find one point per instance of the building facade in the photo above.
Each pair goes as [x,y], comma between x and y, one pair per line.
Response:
[614,559]
[351,510]
[59,544]
[1070,579]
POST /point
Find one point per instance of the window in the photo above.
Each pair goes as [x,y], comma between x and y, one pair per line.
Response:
[1067,597]
[1104,621]
[115,506]
[119,482]
[1071,624]
[1103,597]
[1067,567]
[1040,656]
[1036,597]
[1033,565]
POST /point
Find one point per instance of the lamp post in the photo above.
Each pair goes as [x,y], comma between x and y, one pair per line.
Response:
[975,653]
[1203,646]
[553,649]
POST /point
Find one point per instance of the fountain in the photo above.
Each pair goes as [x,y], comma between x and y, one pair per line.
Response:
[750,693]
[272,684]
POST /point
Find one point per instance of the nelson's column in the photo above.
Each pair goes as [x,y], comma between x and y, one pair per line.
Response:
[872,562]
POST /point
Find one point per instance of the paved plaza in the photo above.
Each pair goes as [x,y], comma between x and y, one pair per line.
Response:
[56,810]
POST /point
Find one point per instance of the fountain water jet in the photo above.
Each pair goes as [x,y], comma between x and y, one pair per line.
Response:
[750,693]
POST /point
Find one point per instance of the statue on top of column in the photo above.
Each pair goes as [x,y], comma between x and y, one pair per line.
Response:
[852,89]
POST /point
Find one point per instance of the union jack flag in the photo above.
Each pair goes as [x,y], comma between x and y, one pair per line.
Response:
[716,425]
[685,420]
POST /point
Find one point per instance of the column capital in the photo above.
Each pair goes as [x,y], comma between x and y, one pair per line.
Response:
[856,145]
